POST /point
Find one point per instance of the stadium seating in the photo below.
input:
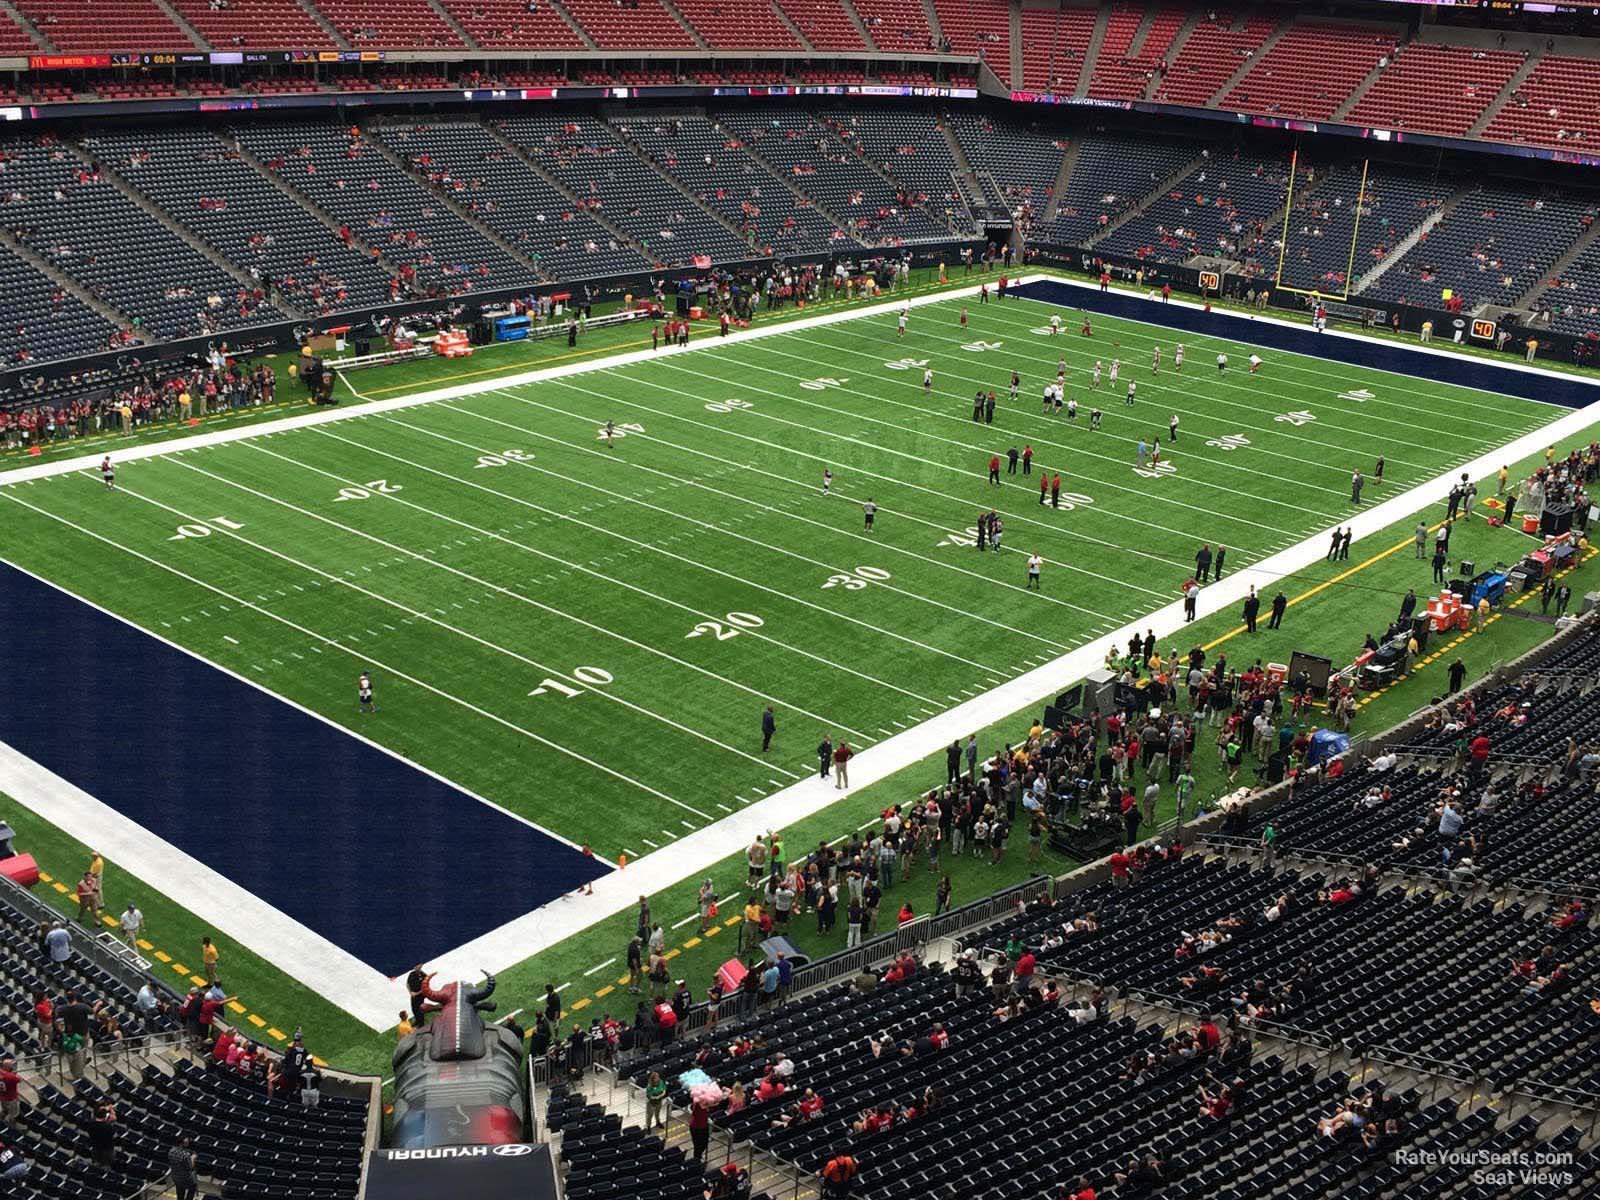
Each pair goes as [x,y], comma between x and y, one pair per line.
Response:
[1324,222]
[1016,1107]
[598,167]
[1054,45]
[1311,70]
[710,164]
[514,25]
[257,24]
[409,24]
[911,147]
[1558,104]
[1494,245]
[1435,89]
[1022,158]
[825,23]
[823,168]
[342,173]
[1573,301]
[14,38]
[209,188]
[1110,177]
[1410,972]
[462,158]
[1219,208]
[978,29]
[896,25]
[606,1160]
[726,25]
[1218,46]
[43,321]
[638,24]
[87,228]
[82,27]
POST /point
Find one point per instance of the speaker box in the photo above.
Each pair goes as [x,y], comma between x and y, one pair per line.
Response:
[1054,718]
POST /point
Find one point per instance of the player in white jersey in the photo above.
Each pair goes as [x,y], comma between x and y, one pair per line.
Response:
[1177,357]
[1049,397]
[364,693]
[1055,325]
[1222,363]
[900,330]
[107,472]
[927,380]
[1172,428]
[1116,369]
[1129,400]
[1034,564]
[827,480]
[1094,375]
[1155,361]
[1072,408]
[1255,363]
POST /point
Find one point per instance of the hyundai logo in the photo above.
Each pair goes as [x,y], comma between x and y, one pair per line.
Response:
[516,1150]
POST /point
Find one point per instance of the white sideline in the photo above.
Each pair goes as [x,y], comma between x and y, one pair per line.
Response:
[373,999]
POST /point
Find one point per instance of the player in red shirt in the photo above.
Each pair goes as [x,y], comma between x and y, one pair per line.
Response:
[994,469]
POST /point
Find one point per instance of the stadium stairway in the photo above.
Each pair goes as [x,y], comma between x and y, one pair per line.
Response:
[689,197]
[1250,62]
[1557,269]
[23,22]
[1405,244]
[455,26]
[178,19]
[69,285]
[200,246]
[304,203]
[1512,86]
[1165,186]
[374,134]
[596,214]
[783,177]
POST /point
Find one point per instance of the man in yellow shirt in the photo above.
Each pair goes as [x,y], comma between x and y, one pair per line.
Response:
[1505,474]
[208,959]
[750,931]
[405,1029]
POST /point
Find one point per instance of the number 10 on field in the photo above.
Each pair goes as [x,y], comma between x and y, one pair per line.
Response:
[593,676]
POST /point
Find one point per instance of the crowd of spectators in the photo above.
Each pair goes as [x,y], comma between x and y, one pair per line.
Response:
[136,400]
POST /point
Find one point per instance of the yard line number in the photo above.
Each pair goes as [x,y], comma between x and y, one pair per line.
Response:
[855,582]
[197,529]
[592,676]
[504,458]
[729,627]
[822,384]
[727,406]
[378,487]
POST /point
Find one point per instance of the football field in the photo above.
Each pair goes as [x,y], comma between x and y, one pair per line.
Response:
[584,633]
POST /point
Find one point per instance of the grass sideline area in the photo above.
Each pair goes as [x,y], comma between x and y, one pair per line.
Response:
[1341,601]
[499,358]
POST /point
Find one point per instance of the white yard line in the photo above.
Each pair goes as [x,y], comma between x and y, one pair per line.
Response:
[371,998]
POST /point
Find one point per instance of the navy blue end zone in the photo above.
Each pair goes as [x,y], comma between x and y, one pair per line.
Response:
[381,859]
[1570,391]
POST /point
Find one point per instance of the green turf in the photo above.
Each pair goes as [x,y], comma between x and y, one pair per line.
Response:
[484,576]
